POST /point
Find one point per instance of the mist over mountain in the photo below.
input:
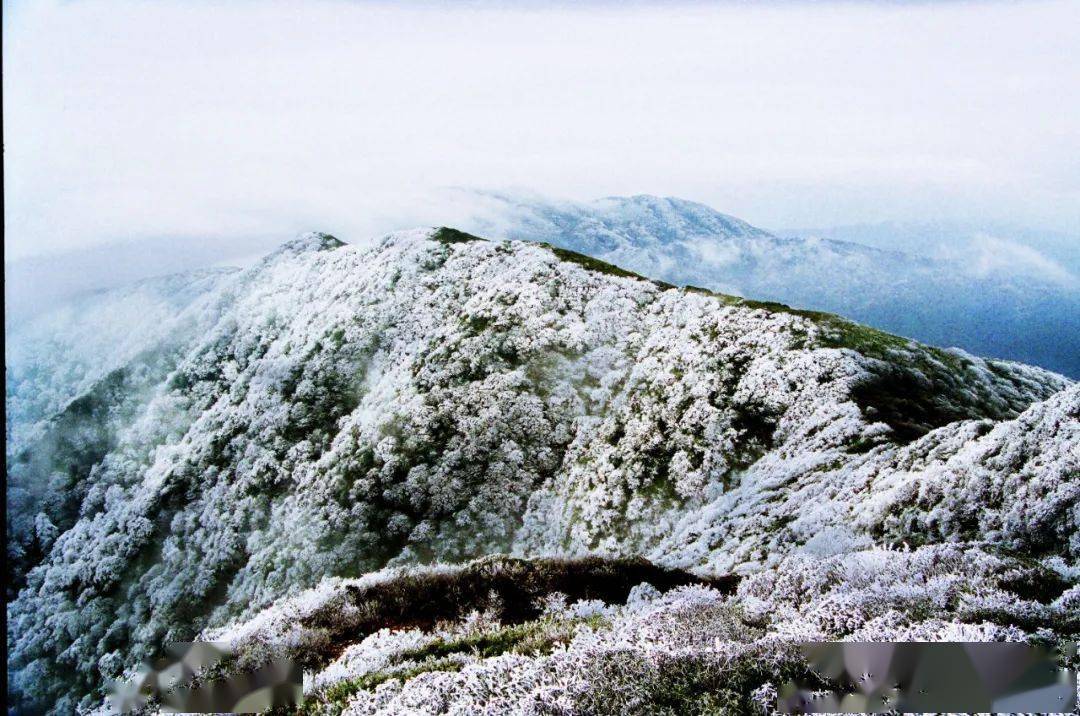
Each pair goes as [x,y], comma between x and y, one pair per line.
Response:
[1056,253]
[985,294]
[287,457]
[998,291]
[349,357]
[37,285]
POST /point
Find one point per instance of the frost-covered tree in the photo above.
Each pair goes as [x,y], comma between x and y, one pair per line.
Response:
[436,398]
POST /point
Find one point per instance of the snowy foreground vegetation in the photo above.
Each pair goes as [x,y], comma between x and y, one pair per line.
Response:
[321,457]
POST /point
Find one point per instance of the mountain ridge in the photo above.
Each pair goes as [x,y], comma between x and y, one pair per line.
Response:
[435,398]
[943,300]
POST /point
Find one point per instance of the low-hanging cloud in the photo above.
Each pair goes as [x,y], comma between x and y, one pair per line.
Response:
[987,255]
[127,119]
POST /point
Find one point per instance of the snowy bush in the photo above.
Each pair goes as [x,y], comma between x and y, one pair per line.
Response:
[333,411]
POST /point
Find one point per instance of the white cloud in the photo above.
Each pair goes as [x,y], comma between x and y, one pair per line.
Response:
[986,255]
[714,253]
[131,119]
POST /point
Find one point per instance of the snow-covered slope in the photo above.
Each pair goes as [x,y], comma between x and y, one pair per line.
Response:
[995,299]
[72,377]
[60,355]
[441,398]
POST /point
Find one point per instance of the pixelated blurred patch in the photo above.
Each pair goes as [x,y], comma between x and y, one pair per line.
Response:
[177,683]
[872,677]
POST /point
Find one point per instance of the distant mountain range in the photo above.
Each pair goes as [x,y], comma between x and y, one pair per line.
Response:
[989,296]
[1050,253]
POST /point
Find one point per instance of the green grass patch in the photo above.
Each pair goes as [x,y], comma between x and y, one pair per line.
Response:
[446,235]
[591,264]
[333,699]
[862,445]
[770,306]
[836,331]
[484,644]
[539,636]
[841,333]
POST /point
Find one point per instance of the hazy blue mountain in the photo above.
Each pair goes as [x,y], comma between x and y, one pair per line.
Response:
[998,299]
[1039,250]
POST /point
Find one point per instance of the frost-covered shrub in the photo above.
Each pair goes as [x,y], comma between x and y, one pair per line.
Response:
[692,649]
[332,411]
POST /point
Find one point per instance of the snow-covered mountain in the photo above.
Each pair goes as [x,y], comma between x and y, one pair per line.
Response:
[265,467]
[987,295]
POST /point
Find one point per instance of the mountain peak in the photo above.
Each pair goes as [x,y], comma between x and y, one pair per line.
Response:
[310,241]
[943,301]
[448,235]
[441,398]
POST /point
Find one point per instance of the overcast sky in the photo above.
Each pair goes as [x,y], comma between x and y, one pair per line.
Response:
[127,119]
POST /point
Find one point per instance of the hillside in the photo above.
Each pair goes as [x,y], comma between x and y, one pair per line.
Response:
[335,411]
[999,300]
